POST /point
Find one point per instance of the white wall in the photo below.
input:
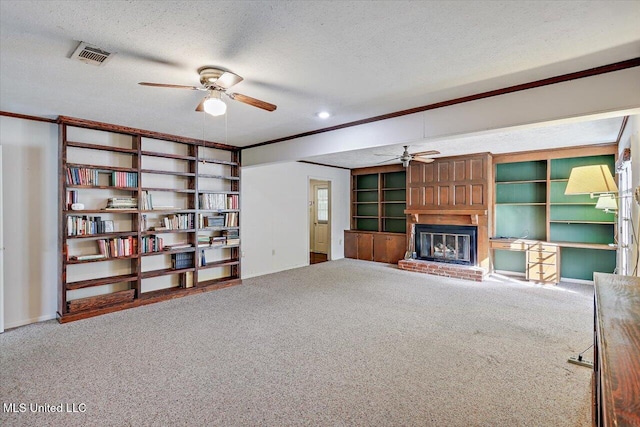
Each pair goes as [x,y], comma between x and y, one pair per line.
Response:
[274,215]
[29,177]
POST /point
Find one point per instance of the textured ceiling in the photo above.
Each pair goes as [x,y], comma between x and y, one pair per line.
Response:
[355,59]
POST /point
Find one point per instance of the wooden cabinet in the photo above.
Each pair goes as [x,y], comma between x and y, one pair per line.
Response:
[616,375]
[156,217]
[543,261]
[370,246]
[358,245]
[389,248]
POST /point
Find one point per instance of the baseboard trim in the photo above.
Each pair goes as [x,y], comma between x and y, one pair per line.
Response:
[251,275]
[29,321]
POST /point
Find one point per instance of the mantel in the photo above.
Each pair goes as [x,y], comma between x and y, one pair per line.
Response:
[473,213]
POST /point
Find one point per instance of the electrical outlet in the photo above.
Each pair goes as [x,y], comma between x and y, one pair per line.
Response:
[273,251]
[340,241]
[242,254]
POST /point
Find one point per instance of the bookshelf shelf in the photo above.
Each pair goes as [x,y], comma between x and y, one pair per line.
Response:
[164,272]
[104,235]
[217,192]
[229,178]
[166,211]
[218,246]
[216,161]
[171,190]
[218,264]
[159,170]
[101,168]
[166,252]
[103,187]
[116,258]
[174,230]
[101,147]
[102,281]
[167,155]
[163,172]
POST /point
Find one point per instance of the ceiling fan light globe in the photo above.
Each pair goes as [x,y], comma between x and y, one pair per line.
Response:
[214,106]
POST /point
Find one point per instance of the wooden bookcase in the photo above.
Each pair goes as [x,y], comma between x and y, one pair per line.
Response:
[379,199]
[530,204]
[148,259]
[378,221]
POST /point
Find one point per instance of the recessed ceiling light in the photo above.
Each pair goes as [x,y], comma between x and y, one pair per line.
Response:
[323,114]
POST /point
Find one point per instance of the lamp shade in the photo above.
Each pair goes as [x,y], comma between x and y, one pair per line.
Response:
[607,202]
[591,179]
[214,105]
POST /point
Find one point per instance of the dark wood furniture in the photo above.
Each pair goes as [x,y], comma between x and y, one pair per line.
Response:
[98,162]
[374,246]
[616,375]
[378,221]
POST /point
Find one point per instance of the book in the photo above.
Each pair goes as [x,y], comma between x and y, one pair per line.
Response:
[186,279]
[87,257]
[182,260]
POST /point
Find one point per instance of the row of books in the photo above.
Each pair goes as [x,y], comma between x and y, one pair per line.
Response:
[90,176]
[147,201]
[124,179]
[82,176]
[182,260]
[218,201]
[229,219]
[176,222]
[152,244]
[82,225]
[117,247]
[232,236]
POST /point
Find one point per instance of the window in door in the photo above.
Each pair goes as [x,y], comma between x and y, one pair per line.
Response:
[322,199]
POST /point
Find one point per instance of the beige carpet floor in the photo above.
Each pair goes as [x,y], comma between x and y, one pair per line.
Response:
[342,343]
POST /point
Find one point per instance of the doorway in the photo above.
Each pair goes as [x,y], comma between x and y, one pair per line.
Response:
[319,221]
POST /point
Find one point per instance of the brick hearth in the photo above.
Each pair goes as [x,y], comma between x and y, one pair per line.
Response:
[458,271]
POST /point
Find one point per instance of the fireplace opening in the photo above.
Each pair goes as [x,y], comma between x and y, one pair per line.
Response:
[455,244]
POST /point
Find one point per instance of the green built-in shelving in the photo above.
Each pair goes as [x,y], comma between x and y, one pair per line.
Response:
[530,203]
[379,201]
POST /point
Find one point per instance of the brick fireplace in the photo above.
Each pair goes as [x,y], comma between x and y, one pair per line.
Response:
[449,198]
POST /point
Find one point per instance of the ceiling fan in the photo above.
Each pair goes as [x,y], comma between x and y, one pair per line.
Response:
[407,157]
[215,82]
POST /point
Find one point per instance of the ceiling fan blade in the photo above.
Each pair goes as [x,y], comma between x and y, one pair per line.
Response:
[170,86]
[252,101]
[387,161]
[422,160]
[200,106]
[227,79]
[426,153]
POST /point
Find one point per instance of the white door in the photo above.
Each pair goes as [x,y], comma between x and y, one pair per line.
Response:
[320,216]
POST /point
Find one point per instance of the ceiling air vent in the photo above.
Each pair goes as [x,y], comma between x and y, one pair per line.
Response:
[91,54]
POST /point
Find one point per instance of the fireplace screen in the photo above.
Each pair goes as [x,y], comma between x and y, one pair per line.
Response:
[446,247]
[446,243]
